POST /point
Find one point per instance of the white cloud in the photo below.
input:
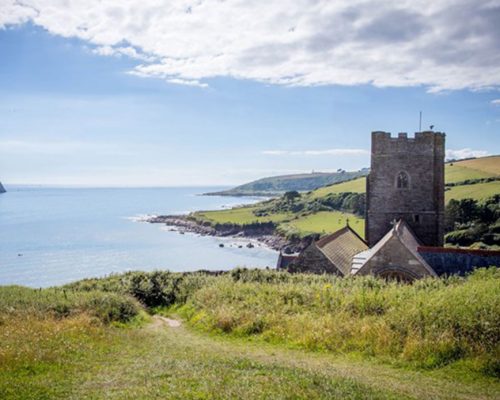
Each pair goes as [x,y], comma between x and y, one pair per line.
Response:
[122,51]
[495,102]
[464,153]
[444,45]
[188,82]
[326,152]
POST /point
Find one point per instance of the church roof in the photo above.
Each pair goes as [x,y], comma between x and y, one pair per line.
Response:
[341,246]
[403,233]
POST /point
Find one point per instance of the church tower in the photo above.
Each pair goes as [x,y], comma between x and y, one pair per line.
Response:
[406,181]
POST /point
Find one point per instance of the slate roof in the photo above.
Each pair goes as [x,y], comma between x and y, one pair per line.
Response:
[341,246]
[406,237]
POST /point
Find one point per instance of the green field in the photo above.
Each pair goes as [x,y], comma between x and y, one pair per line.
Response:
[251,334]
[355,186]
[324,222]
[238,215]
[458,173]
[477,191]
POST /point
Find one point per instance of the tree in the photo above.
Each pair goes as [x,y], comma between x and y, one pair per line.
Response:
[291,196]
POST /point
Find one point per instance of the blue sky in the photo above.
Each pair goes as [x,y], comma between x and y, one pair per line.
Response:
[109,108]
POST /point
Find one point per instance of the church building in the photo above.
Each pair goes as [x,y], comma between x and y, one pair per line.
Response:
[404,219]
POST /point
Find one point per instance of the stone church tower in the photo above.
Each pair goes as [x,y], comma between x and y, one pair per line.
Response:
[406,181]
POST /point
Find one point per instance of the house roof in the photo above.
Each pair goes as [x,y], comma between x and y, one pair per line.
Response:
[341,246]
[406,237]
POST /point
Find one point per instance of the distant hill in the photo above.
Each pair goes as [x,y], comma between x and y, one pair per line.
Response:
[2,189]
[277,185]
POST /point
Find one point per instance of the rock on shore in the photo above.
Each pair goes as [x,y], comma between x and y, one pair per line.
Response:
[183,224]
[2,189]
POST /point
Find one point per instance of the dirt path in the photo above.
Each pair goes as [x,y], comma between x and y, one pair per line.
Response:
[159,321]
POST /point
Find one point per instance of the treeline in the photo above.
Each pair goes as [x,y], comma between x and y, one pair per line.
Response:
[471,222]
[473,181]
[297,203]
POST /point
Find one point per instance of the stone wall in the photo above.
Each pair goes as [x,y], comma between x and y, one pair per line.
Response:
[446,261]
[421,201]
[314,261]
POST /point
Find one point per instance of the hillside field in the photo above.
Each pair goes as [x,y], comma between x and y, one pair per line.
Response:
[323,222]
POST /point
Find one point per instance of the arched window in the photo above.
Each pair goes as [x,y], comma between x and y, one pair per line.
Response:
[403,180]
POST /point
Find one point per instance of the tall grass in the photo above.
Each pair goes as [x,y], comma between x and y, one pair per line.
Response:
[16,301]
[428,324]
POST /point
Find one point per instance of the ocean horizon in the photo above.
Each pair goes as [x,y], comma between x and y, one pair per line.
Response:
[51,234]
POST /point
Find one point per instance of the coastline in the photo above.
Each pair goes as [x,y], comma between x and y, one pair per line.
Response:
[183,224]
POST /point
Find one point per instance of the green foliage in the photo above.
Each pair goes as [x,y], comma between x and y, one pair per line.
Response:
[469,221]
[62,303]
[152,289]
[291,196]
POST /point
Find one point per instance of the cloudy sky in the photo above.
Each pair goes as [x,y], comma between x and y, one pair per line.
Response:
[157,92]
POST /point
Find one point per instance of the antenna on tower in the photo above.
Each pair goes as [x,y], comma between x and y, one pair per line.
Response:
[420,122]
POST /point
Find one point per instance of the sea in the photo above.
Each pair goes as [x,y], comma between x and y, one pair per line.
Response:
[52,235]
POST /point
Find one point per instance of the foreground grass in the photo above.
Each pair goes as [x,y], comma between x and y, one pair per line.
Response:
[252,334]
[77,358]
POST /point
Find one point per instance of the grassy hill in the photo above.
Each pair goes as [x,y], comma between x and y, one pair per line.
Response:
[464,179]
[457,172]
[277,185]
[250,334]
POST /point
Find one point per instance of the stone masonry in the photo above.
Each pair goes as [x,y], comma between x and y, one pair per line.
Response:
[406,181]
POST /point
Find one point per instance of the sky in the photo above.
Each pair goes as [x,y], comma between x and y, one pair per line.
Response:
[221,92]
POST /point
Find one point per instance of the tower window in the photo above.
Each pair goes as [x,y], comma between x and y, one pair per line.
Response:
[402,180]
[416,218]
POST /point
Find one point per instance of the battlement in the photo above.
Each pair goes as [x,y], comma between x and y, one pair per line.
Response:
[418,136]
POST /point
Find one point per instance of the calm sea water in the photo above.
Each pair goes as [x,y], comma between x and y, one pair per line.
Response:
[51,236]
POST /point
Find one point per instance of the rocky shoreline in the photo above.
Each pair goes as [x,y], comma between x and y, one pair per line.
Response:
[183,224]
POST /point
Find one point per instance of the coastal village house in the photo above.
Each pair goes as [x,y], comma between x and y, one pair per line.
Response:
[404,219]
